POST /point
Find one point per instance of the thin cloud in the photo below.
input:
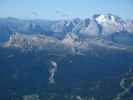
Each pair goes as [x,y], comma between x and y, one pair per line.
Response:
[34,13]
[61,13]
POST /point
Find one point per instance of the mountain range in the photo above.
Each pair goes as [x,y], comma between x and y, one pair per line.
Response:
[99,26]
[74,59]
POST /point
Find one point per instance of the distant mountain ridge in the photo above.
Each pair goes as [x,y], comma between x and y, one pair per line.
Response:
[107,27]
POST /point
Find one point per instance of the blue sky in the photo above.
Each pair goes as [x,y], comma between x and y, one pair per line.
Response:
[56,9]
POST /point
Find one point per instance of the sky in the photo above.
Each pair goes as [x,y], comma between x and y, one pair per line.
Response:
[61,9]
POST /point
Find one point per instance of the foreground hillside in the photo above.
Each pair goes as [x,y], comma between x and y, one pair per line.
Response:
[95,74]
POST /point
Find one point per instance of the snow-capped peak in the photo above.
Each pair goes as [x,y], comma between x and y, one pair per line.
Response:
[110,23]
[106,18]
[101,18]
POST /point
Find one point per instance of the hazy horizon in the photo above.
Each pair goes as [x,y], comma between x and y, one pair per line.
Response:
[61,9]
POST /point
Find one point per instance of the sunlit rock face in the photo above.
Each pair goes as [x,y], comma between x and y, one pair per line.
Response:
[72,43]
